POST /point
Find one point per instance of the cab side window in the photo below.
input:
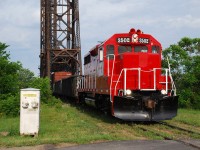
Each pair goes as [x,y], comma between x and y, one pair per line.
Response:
[101,54]
[110,51]
[87,60]
[155,49]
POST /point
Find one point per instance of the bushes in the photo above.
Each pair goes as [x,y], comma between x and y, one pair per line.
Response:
[45,89]
[9,105]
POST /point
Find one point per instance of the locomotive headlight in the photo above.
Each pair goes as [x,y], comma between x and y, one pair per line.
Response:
[128,92]
[163,92]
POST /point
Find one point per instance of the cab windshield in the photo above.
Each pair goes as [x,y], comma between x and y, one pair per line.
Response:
[143,49]
[123,49]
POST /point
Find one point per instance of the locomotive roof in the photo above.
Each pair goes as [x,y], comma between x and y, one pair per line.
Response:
[130,33]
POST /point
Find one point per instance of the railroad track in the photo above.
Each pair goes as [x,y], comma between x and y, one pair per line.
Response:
[165,137]
[179,128]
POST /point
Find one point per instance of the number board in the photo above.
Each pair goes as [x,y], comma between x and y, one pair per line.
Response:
[128,40]
[143,40]
[123,40]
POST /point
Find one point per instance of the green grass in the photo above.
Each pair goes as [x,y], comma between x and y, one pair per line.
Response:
[79,125]
[66,124]
[190,117]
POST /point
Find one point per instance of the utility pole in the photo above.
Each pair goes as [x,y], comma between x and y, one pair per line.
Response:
[60,49]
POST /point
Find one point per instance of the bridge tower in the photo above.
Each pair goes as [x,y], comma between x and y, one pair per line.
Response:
[60,49]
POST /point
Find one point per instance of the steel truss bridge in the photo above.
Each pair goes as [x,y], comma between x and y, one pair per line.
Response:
[60,49]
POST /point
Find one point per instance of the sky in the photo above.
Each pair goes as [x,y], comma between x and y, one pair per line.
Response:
[168,21]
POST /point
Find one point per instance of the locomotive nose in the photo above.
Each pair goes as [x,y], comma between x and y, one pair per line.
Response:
[145,109]
[129,109]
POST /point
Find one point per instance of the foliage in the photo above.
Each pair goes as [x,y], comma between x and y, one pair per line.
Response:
[45,89]
[9,87]
[9,106]
[25,78]
[10,103]
[3,53]
[13,77]
[184,58]
[8,72]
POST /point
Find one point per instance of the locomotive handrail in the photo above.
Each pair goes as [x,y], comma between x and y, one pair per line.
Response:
[91,79]
[111,74]
[139,79]
[108,64]
[154,77]
[173,84]
[166,79]
[126,69]
[168,72]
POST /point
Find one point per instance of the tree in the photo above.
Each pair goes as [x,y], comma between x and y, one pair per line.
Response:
[9,101]
[184,58]
[8,72]
[45,89]
[3,53]
[25,78]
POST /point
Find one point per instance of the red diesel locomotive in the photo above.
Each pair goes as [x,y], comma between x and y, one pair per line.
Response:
[123,75]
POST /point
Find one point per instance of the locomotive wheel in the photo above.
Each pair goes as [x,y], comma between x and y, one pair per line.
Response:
[81,98]
[103,103]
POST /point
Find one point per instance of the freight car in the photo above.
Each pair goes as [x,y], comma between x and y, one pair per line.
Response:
[123,75]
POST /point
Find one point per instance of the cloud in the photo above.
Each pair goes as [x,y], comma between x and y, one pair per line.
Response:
[19,21]
[20,28]
[20,13]
[184,21]
[101,19]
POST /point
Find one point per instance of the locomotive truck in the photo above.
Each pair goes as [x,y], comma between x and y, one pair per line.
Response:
[123,76]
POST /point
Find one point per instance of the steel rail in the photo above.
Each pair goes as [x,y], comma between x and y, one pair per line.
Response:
[169,138]
[178,128]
